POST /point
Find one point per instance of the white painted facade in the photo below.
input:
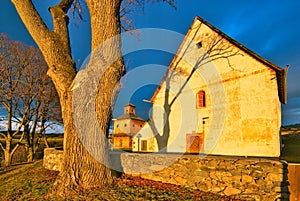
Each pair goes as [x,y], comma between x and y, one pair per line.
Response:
[242,114]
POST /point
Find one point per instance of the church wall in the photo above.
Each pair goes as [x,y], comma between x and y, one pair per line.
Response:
[242,113]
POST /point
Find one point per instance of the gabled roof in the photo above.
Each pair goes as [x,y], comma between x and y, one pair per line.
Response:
[130,116]
[130,104]
[280,72]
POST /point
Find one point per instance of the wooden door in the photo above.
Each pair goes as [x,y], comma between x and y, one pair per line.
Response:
[144,145]
[194,142]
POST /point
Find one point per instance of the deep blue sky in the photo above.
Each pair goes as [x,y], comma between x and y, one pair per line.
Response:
[271,28]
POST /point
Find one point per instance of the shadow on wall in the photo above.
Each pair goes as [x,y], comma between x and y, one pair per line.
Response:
[115,161]
[285,193]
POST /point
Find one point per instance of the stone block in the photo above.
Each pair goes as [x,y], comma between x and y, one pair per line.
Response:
[212,164]
[213,176]
[202,186]
[275,177]
[252,188]
[221,174]
[231,191]
[231,179]
[156,167]
[246,179]
[235,172]
[180,180]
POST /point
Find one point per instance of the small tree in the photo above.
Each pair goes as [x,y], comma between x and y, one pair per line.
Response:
[12,64]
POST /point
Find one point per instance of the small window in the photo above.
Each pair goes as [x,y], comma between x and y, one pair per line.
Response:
[199,44]
[201,102]
[132,125]
[125,125]
[117,125]
[141,126]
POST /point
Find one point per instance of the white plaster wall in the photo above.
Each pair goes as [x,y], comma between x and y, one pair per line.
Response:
[243,107]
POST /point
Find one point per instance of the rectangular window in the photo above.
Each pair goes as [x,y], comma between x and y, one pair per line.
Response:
[130,143]
[201,102]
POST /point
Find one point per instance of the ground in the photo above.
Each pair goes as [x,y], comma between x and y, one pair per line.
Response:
[291,149]
[32,181]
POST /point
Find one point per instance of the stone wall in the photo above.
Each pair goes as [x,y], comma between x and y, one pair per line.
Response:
[244,178]
[52,159]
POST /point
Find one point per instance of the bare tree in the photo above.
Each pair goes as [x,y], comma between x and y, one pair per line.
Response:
[50,111]
[12,64]
[34,95]
[27,93]
[80,170]
[215,47]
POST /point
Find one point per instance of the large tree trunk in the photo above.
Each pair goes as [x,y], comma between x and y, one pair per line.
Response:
[106,47]
[80,170]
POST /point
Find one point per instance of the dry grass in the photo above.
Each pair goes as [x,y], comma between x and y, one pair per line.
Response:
[291,149]
[32,181]
[25,182]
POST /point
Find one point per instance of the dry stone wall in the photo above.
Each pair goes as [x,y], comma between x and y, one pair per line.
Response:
[53,159]
[244,178]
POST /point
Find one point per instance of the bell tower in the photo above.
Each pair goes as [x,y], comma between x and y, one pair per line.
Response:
[129,109]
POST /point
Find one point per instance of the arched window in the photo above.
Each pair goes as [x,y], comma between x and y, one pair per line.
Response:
[201,102]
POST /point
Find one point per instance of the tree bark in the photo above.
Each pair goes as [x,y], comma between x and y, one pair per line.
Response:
[8,139]
[7,151]
[80,170]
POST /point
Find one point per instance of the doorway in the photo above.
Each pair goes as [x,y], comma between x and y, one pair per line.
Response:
[194,143]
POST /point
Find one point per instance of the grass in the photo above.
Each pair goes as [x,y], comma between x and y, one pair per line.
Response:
[25,182]
[291,149]
[32,181]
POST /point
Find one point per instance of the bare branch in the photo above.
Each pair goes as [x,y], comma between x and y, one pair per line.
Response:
[2,146]
[61,20]
[18,144]
[32,21]
[3,134]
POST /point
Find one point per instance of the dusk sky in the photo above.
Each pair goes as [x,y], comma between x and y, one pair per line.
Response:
[271,28]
